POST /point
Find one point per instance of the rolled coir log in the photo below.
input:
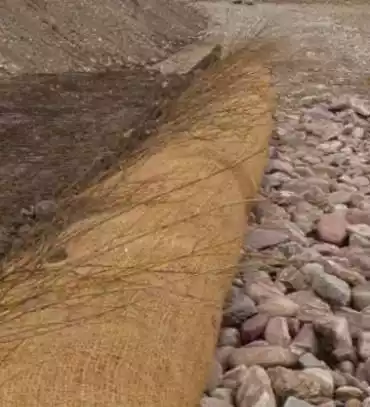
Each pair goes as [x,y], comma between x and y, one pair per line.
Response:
[130,319]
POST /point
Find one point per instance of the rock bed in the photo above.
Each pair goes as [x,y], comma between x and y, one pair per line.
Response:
[296,324]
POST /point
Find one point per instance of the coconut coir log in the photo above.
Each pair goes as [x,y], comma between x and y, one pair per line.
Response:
[131,317]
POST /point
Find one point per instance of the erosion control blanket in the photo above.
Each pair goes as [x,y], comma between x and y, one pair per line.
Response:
[130,318]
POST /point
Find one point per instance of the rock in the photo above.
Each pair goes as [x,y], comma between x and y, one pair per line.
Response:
[345,393]
[213,402]
[358,216]
[360,107]
[339,379]
[293,278]
[253,328]
[241,309]
[326,249]
[277,332]
[336,336]
[308,360]
[294,402]
[222,393]
[345,273]
[330,403]
[294,326]
[300,384]
[214,377]
[278,306]
[332,228]
[276,165]
[229,337]
[353,403]
[360,229]
[346,367]
[265,356]
[222,354]
[306,340]
[311,306]
[361,373]
[331,288]
[262,289]
[363,344]
[45,210]
[361,296]
[255,389]
[323,375]
[366,402]
[340,197]
[260,239]
[234,377]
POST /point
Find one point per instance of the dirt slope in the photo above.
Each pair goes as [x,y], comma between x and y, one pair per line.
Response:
[59,36]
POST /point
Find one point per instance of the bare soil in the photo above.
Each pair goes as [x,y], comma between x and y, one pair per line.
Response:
[77,93]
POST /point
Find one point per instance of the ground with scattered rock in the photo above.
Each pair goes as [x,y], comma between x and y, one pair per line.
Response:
[296,327]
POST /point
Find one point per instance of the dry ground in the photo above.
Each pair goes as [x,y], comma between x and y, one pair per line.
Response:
[74,84]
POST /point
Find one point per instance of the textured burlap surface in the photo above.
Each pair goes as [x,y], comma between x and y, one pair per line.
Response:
[131,317]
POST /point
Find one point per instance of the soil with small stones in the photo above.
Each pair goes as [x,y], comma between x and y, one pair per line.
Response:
[78,95]
[296,330]
[296,327]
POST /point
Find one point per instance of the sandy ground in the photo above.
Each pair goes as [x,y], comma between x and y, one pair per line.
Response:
[321,46]
[87,35]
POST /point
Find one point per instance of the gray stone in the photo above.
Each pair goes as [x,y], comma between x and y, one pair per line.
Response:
[360,107]
[229,337]
[300,384]
[241,309]
[222,393]
[340,197]
[348,274]
[331,288]
[332,228]
[253,328]
[293,278]
[324,376]
[214,402]
[233,378]
[345,393]
[265,356]
[277,332]
[45,210]
[311,306]
[308,360]
[278,306]
[306,340]
[361,296]
[255,389]
[294,402]
[259,239]
[334,330]
[363,344]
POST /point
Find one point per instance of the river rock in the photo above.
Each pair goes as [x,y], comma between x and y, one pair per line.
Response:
[277,332]
[361,296]
[240,309]
[255,389]
[300,384]
[265,356]
[332,228]
[331,288]
[253,328]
